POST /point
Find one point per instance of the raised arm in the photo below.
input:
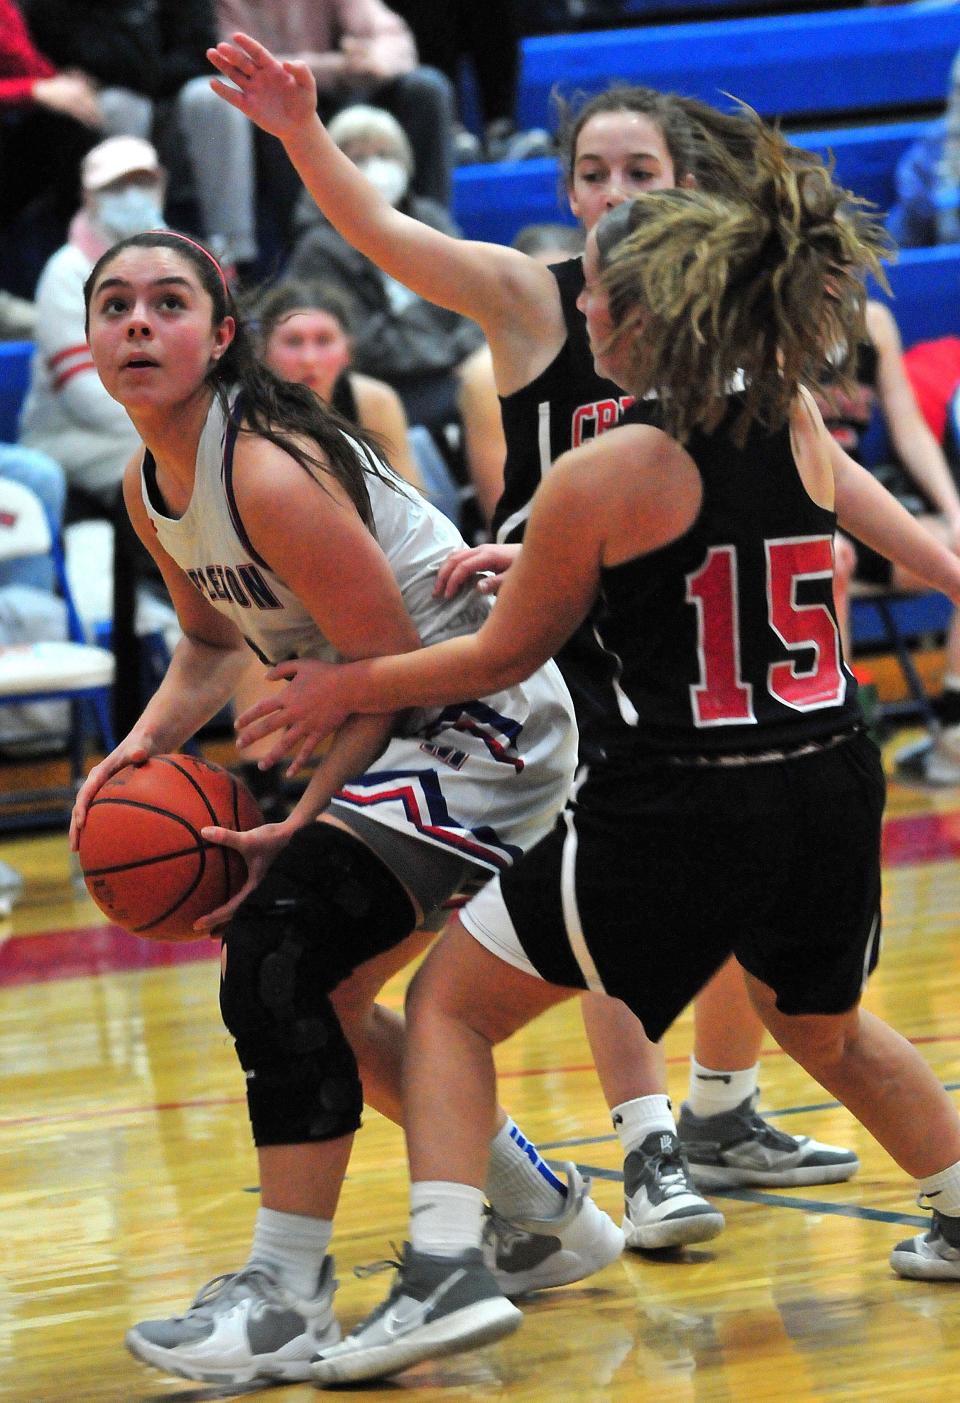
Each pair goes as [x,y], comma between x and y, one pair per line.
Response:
[513,297]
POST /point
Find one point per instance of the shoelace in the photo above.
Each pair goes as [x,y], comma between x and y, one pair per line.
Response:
[219,1288]
[670,1173]
[768,1134]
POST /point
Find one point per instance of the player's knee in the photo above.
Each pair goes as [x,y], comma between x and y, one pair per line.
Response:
[323,909]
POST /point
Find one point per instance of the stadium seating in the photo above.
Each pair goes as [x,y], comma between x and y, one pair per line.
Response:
[796,66]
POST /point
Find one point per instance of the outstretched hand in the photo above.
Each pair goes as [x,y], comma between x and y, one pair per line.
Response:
[278,96]
[304,712]
[258,847]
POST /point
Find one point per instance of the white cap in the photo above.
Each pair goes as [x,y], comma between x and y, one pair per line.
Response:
[116,157]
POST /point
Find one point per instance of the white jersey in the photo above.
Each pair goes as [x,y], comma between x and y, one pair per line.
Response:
[484,776]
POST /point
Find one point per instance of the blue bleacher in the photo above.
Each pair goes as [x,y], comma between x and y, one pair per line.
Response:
[14,380]
[796,65]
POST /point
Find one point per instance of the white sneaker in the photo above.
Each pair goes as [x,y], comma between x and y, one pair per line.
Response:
[11,888]
[933,1255]
[935,763]
[532,1254]
[242,1328]
[738,1148]
[436,1306]
[661,1206]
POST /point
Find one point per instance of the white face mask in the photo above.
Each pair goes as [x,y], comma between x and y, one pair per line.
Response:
[388,176]
[133,210]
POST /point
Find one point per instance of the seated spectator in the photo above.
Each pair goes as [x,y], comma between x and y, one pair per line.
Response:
[488,38]
[45,479]
[933,369]
[48,119]
[305,336]
[150,62]
[68,414]
[912,220]
[358,51]
[399,337]
[484,444]
[921,479]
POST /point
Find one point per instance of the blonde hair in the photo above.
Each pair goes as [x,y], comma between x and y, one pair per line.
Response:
[361,122]
[757,289]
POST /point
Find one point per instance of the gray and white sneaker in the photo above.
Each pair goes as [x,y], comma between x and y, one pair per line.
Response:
[436,1306]
[933,1255]
[241,1328]
[661,1207]
[532,1254]
[739,1148]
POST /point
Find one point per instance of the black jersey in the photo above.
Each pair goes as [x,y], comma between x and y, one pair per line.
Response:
[566,405]
[727,638]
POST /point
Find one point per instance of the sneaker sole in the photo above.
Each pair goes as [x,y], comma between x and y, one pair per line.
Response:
[713,1176]
[604,1244]
[673,1232]
[466,1329]
[291,1371]
[915,1267]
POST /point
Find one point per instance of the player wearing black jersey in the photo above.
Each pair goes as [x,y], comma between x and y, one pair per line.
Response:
[739,806]
[627,141]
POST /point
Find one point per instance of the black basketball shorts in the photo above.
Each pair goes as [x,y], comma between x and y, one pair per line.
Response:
[647,884]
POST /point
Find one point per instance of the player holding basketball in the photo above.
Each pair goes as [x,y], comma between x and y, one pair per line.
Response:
[738,807]
[621,143]
[277,525]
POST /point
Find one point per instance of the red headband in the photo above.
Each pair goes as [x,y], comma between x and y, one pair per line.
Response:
[205,251]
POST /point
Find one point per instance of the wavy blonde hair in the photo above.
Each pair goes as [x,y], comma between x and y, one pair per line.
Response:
[763,287]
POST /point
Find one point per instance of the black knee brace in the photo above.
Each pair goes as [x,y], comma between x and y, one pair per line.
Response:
[327,905]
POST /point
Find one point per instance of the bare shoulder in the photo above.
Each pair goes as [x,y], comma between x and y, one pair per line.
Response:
[374,395]
[642,483]
[271,487]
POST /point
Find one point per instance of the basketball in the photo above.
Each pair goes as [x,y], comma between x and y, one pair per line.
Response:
[143,859]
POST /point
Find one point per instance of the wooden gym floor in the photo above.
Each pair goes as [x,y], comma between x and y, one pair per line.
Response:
[127,1180]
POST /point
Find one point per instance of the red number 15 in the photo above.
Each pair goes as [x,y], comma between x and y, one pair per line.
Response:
[721,697]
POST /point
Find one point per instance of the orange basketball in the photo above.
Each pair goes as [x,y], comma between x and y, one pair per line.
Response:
[143,859]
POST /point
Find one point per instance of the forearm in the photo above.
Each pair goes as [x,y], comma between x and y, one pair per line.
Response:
[928,468]
[455,670]
[353,749]
[871,514]
[198,683]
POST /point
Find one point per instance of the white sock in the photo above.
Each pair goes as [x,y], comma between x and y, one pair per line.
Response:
[635,1120]
[294,1247]
[943,1190]
[445,1218]
[712,1091]
[519,1183]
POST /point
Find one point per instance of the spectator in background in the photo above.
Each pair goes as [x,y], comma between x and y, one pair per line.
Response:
[305,335]
[67,412]
[48,119]
[358,51]
[399,337]
[920,478]
[487,37]
[933,369]
[46,480]
[150,62]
